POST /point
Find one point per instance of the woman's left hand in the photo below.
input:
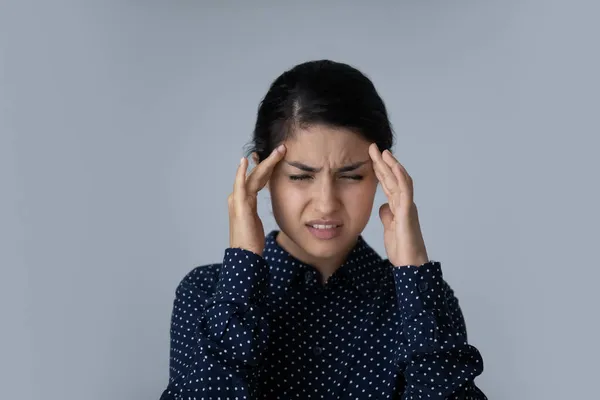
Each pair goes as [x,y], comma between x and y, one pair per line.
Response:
[403,239]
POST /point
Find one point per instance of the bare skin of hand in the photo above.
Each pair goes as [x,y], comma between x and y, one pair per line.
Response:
[403,238]
[246,230]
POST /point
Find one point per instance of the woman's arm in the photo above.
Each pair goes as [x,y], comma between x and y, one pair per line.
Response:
[440,363]
[217,332]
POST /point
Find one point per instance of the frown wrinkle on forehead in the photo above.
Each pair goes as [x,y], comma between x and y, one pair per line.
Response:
[322,147]
[308,168]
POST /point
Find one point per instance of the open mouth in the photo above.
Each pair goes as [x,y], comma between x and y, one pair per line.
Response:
[325,230]
[322,226]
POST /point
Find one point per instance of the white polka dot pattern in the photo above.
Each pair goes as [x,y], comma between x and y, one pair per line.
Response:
[265,327]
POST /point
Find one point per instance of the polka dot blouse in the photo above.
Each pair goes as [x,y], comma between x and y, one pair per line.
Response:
[265,327]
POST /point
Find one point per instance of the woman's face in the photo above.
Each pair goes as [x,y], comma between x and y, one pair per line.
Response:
[322,193]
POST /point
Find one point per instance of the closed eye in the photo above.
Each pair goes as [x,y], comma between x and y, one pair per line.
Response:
[308,177]
[353,177]
[300,177]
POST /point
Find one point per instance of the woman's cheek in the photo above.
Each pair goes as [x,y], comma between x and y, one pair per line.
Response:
[361,196]
[289,194]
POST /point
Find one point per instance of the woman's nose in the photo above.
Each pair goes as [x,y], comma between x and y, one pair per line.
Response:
[326,199]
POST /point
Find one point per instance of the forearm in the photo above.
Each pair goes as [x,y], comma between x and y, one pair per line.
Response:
[225,346]
[439,360]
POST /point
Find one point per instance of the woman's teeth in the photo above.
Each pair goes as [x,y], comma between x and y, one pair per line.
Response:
[323,226]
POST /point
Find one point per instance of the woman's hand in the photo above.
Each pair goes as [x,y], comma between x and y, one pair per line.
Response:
[403,239]
[245,227]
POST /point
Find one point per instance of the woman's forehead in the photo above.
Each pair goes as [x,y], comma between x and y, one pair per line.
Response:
[325,145]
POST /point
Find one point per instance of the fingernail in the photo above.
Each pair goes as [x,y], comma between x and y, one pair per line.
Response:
[281,148]
[241,160]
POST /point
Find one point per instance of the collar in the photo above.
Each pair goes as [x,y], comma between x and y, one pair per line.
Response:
[363,268]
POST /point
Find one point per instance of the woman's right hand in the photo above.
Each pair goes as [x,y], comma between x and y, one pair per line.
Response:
[245,227]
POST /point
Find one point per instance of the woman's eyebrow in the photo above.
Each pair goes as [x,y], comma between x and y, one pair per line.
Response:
[308,168]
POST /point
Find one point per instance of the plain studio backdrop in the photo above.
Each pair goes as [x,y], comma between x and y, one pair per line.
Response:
[122,123]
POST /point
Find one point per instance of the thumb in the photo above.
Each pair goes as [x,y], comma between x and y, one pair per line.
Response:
[386,215]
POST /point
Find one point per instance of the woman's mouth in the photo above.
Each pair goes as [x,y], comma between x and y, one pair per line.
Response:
[324,230]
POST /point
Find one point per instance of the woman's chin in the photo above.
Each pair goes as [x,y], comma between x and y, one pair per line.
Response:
[315,246]
[325,248]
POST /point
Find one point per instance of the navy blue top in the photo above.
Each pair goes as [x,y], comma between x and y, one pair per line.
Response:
[265,327]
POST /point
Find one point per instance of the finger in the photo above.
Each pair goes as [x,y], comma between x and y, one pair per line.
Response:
[239,185]
[397,168]
[383,171]
[373,153]
[387,216]
[260,175]
[380,179]
[402,177]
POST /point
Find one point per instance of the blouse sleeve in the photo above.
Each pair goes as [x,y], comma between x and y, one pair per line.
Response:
[440,363]
[218,335]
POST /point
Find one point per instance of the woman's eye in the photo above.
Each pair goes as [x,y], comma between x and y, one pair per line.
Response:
[353,177]
[309,177]
[300,177]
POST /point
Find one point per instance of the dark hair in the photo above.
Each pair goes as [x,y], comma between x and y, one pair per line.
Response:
[320,92]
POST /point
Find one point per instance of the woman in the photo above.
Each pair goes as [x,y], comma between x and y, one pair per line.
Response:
[311,310]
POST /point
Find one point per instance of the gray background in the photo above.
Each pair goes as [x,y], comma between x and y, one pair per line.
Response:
[122,122]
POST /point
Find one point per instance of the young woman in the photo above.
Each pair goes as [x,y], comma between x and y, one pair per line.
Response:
[311,311]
